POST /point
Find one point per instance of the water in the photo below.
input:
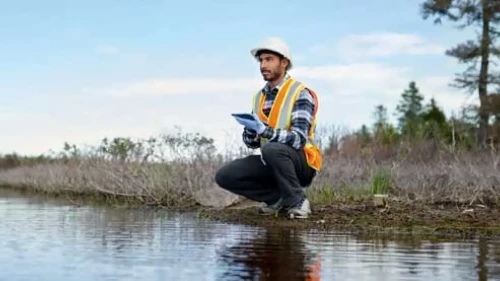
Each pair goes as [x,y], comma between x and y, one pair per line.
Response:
[42,240]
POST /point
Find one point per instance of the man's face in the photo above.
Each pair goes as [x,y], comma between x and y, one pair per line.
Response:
[271,66]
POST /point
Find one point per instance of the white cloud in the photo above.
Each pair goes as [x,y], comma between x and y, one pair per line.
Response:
[177,86]
[449,98]
[107,49]
[352,91]
[382,44]
[342,80]
[363,79]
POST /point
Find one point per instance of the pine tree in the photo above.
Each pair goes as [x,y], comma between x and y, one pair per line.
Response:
[409,110]
[435,121]
[363,135]
[484,14]
[433,113]
[383,131]
[380,116]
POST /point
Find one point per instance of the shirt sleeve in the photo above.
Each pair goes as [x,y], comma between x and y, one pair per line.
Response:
[302,116]
[250,138]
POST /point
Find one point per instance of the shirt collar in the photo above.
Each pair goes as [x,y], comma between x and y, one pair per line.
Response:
[268,90]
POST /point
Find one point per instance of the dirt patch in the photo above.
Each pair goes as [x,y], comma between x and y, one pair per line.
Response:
[363,216]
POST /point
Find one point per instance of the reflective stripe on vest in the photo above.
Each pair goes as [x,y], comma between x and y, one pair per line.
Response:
[281,111]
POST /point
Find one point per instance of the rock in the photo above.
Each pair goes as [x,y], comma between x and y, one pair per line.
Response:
[216,197]
[244,204]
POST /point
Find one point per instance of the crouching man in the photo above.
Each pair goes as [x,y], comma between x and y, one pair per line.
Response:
[285,111]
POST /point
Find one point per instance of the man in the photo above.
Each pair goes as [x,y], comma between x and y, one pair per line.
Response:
[277,254]
[285,118]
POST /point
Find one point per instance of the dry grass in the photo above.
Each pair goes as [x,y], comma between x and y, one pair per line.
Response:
[151,184]
[468,178]
[426,172]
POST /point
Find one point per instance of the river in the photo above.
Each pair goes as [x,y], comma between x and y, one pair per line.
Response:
[44,239]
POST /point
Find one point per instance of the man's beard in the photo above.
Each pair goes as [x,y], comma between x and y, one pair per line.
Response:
[270,75]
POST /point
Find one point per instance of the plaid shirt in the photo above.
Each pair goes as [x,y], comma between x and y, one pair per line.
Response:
[300,124]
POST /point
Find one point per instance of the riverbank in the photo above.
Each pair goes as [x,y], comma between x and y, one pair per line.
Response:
[399,216]
[396,217]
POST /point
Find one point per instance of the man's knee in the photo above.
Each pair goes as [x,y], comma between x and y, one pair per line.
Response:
[222,177]
[225,177]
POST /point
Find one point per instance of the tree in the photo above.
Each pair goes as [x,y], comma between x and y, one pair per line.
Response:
[363,135]
[380,116]
[433,113]
[435,121]
[409,110]
[482,13]
[383,131]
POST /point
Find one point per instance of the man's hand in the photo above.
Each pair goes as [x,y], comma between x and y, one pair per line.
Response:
[255,125]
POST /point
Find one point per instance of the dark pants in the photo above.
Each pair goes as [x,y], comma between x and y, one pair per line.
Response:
[285,174]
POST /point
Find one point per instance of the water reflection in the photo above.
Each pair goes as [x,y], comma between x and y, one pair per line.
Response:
[274,254]
[43,239]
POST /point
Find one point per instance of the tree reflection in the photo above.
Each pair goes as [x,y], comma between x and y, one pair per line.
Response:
[482,258]
[276,254]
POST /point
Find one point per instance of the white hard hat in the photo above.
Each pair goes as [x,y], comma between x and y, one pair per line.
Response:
[274,44]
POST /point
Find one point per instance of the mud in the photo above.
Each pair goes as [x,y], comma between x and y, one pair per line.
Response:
[396,217]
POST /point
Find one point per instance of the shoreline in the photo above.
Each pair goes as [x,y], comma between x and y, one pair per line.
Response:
[399,217]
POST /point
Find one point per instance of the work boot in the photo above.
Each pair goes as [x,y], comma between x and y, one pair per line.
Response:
[301,210]
[271,209]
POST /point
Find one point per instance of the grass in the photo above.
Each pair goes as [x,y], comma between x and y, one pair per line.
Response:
[381,181]
[325,195]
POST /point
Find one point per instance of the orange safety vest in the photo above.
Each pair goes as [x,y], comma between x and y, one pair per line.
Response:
[281,114]
[315,274]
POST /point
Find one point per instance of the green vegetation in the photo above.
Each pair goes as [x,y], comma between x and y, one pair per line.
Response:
[381,182]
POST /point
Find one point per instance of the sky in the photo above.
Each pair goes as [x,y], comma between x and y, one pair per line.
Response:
[79,71]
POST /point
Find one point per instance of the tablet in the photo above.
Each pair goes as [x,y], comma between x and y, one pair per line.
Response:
[247,116]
